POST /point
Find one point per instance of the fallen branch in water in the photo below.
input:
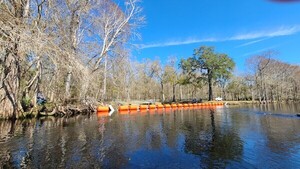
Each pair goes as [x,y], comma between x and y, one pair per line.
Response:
[69,110]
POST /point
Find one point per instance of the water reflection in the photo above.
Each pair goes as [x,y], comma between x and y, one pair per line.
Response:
[182,138]
[215,144]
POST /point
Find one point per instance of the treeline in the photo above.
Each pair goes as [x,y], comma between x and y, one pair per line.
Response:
[267,80]
[62,49]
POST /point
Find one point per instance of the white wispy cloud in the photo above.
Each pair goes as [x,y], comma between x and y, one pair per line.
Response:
[261,50]
[259,35]
[252,42]
[177,42]
[281,31]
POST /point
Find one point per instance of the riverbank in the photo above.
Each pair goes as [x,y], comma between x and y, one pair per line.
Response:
[213,102]
[240,102]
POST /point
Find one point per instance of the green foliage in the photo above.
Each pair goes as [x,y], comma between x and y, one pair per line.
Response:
[205,65]
[26,103]
[209,62]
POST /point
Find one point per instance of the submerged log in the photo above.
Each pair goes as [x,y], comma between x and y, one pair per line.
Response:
[48,114]
[69,110]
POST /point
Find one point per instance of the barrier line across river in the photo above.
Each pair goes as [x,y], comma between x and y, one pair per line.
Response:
[106,109]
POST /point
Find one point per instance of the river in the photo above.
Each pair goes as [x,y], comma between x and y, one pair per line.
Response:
[261,136]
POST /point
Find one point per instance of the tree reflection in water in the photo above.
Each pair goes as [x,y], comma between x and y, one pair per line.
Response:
[182,138]
[214,145]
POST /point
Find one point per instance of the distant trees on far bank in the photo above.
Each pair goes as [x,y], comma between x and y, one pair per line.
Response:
[268,79]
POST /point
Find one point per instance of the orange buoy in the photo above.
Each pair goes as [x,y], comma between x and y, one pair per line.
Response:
[195,104]
[133,107]
[102,109]
[152,106]
[123,108]
[166,106]
[179,105]
[174,105]
[185,105]
[190,105]
[144,107]
[159,106]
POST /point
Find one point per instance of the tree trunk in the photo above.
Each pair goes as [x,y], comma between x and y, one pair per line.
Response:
[174,99]
[210,92]
[180,92]
[68,85]
[74,26]
[105,79]
[224,93]
[162,91]
[10,102]
[252,94]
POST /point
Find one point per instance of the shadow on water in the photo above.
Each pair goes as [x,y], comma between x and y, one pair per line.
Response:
[215,145]
[183,138]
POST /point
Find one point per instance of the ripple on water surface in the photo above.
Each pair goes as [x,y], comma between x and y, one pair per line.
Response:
[238,137]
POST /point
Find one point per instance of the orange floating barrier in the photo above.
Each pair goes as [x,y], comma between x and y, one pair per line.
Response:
[152,106]
[159,106]
[195,104]
[133,107]
[174,105]
[102,109]
[179,105]
[144,107]
[185,105]
[123,108]
[166,106]
[190,105]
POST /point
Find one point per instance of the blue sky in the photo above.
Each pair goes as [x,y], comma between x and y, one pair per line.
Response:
[239,28]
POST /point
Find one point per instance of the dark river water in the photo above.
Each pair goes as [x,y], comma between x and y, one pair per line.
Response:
[221,137]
